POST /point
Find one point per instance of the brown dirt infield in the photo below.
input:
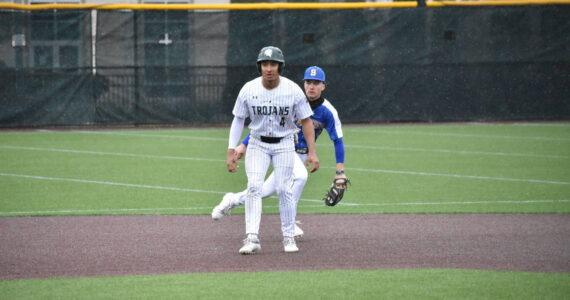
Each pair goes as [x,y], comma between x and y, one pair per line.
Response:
[41,247]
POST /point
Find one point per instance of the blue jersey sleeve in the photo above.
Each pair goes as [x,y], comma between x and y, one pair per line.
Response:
[339,150]
[334,128]
[246,139]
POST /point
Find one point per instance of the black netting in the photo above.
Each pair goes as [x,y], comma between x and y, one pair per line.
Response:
[186,67]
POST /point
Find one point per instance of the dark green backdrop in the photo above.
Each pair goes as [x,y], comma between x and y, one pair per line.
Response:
[383,65]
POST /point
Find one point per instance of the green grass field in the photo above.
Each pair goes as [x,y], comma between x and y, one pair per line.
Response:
[441,168]
[366,284]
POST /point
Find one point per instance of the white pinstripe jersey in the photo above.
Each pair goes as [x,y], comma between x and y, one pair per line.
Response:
[272,112]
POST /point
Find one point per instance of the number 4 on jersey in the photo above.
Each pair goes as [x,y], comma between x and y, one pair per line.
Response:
[282,123]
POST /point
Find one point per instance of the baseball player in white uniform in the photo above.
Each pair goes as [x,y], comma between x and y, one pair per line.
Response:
[272,102]
[325,117]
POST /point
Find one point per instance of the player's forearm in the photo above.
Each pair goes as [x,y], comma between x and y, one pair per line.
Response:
[309,134]
[340,167]
[235,132]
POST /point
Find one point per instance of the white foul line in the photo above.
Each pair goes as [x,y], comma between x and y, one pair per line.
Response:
[345,203]
[538,138]
[456,151]
[122,210]
[562,125]
[462,152]
[454,175]
[362,146]
[146,186]
[81,211]
[380,147]
[459,203]
[111,153]
[350,169]
[184,137]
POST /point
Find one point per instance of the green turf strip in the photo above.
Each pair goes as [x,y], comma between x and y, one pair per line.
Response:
[372,284]
[455,168]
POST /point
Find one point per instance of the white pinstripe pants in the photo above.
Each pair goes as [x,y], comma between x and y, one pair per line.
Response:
[257,159]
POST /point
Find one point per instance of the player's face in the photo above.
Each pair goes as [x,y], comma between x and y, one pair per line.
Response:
[314,89]
[270,70]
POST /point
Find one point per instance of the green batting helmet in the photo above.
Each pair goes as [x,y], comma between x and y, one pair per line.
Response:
[270,53]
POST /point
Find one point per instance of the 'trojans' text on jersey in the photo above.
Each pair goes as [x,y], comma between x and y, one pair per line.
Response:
[270,110]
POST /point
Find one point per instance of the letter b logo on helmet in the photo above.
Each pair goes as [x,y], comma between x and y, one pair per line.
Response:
[314,73]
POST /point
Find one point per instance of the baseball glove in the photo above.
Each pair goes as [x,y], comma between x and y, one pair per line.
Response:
[336,191]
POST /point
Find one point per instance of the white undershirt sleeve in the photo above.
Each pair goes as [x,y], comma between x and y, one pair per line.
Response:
[235,132]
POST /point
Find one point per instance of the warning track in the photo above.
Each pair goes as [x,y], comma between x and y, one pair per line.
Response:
[72,246]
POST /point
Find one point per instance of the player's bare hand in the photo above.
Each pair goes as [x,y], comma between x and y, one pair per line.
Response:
[341,176]
[232,161]
[240,151]
[312,160]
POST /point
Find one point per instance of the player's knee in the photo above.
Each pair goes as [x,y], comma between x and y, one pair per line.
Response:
[301,177]
[283,190]
[254,188]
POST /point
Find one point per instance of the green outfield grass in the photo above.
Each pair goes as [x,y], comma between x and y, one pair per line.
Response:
[364,284]
[445,168]
[473,168]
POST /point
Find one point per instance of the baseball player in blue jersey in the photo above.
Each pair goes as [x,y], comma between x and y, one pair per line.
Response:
[273,103]
[325,117]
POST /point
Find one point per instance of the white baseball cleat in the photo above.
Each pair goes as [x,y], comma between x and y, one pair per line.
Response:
[289,245]
[298,231]
[224,207]
[250,246]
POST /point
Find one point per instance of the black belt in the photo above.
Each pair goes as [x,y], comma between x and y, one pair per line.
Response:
[270,140]
[302,150]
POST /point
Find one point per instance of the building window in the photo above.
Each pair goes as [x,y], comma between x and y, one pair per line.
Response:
[166,37]
[55,39]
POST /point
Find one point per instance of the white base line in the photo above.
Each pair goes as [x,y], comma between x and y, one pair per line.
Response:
[357,146]
[220,160]
[364,129]
[113,183]
[371,147]
[344,203]
[122,210]
[350,169]
[455,175]
[535,138]
[110,153]
[462,152]
[129,185]
[183,137]
[459,203]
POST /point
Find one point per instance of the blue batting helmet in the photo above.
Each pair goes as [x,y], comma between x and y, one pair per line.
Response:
[314,73]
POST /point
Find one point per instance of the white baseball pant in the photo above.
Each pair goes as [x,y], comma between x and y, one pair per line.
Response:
[257,159]
[269,188]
